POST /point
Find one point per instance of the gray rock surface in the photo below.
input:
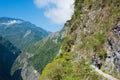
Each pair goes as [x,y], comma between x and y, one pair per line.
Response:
[113,50]
[27,71]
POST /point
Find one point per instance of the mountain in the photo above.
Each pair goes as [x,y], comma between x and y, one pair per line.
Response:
[21,33]
[8,54]
[94,29]
[38,55]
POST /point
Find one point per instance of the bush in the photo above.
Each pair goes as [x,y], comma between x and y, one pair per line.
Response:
[54,70]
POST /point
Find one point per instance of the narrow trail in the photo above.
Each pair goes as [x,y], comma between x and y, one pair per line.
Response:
[109,77]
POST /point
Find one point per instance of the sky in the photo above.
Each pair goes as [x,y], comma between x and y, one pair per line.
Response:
[47,14]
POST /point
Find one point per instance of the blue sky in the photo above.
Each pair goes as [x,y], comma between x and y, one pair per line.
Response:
[47,14]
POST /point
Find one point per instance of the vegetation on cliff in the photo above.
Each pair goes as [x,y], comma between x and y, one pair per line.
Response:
[87,34]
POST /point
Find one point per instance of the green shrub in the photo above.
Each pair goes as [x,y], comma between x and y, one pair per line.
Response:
[96,42]
[54,70]
[100,37]
[74,27]
[67,43]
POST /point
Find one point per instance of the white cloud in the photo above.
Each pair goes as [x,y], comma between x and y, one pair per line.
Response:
[58,11]
[12,22]
[41,3]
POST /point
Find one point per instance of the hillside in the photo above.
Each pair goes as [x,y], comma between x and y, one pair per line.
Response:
[92,30]
[21,33]
[8,54]
[38,55]
[45,50]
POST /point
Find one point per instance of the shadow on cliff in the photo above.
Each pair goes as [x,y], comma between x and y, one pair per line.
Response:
[17,75]
[8,54]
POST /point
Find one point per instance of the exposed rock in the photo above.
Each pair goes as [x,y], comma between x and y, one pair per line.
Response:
[27,33]
[27,71]
[113,50]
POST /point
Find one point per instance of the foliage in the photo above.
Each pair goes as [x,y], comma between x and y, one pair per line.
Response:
[87,2]
[63,69]
[67,43]
[78,6]
[97,18]
[44,51]
[96,42]
[73,28]
[54,70]
[43,54]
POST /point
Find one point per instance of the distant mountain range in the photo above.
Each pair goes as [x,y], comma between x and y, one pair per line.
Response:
[21,33]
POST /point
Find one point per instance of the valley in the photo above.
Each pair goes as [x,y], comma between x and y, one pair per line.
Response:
[28,52]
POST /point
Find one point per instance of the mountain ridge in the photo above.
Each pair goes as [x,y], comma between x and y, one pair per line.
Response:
[21,33]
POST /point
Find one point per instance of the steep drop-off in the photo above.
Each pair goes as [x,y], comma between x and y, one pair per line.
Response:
[93,30]
[8,54]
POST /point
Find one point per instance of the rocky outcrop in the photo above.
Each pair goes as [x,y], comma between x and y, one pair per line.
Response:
[27,70]
[113,49]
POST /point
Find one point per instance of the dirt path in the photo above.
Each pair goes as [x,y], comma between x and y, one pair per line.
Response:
[109,77]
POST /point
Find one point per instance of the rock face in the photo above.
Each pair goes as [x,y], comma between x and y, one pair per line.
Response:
[8,54]
[113,49]
[21,33]
[27,70]
[29,73]
[94,29]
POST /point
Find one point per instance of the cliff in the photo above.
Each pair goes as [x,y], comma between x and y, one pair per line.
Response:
[92,30]
[8,54]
